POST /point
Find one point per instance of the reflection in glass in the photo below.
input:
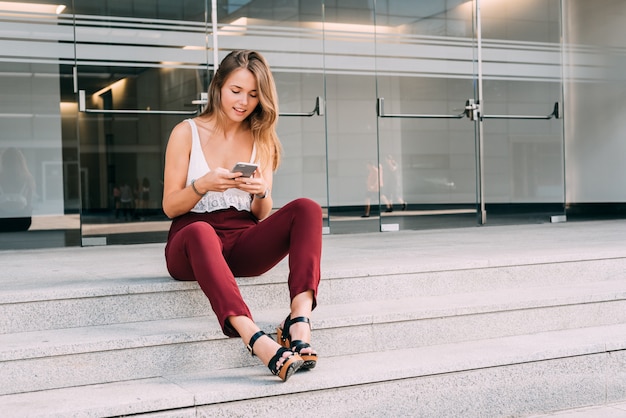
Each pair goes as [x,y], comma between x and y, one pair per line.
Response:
[392,187]
[122,153]
[141,69]
[34,139]
[38,124]
[373,183]
[17,188]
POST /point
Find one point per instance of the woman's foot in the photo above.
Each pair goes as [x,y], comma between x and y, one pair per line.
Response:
[293,334]
[283,363]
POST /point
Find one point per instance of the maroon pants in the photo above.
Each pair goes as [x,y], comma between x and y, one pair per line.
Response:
[214,248]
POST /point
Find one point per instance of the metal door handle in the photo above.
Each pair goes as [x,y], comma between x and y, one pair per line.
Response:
[318,110]
[472,111]
[83,108]
[380,109]
[554,115]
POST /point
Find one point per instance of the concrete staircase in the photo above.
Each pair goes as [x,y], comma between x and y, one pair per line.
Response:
[477,322]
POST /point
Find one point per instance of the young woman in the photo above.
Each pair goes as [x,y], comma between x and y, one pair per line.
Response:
[222,227]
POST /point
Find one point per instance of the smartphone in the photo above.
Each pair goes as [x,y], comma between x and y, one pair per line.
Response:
[245,168]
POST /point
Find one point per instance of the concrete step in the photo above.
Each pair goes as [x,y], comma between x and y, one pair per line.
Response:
[32,304]
[112,284]
[507,376]
[40,360]
[115,284]
[612,410]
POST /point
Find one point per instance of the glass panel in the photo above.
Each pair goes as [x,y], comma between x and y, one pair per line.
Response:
[141,65]
[523,158]
[289,35]
[595,87]
[351,90]
[425,75]
[38,158]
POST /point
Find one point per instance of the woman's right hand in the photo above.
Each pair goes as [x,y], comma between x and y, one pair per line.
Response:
[217,180]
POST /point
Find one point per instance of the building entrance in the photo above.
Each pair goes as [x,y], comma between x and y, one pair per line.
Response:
[394,115]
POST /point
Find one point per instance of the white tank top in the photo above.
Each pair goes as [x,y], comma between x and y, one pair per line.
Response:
[198,167]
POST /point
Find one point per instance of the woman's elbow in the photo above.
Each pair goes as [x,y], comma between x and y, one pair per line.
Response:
[168,210]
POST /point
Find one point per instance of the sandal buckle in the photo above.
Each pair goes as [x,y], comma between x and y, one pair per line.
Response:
[253,339]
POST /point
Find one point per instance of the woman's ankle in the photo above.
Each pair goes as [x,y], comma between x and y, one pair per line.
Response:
[300,331]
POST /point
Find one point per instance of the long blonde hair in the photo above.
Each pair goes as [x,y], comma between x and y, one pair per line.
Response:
[262,121]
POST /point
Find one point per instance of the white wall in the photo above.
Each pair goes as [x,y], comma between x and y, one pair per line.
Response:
[595,105]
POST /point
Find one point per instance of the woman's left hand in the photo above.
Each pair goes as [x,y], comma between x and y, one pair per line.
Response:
[255,184]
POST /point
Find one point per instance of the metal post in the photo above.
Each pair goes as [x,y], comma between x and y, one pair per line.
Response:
[214,31]
[479,122]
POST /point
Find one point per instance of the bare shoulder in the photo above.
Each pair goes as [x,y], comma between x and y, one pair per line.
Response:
[180,137]
[181,131]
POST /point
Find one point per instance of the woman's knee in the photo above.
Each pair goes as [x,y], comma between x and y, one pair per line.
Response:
[199,233]
[308,208]
[195,237]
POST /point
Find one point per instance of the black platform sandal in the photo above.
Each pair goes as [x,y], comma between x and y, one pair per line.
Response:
[290,364]
[284,339]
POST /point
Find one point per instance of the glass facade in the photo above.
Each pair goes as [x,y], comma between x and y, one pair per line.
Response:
[394,114]
[39,165]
